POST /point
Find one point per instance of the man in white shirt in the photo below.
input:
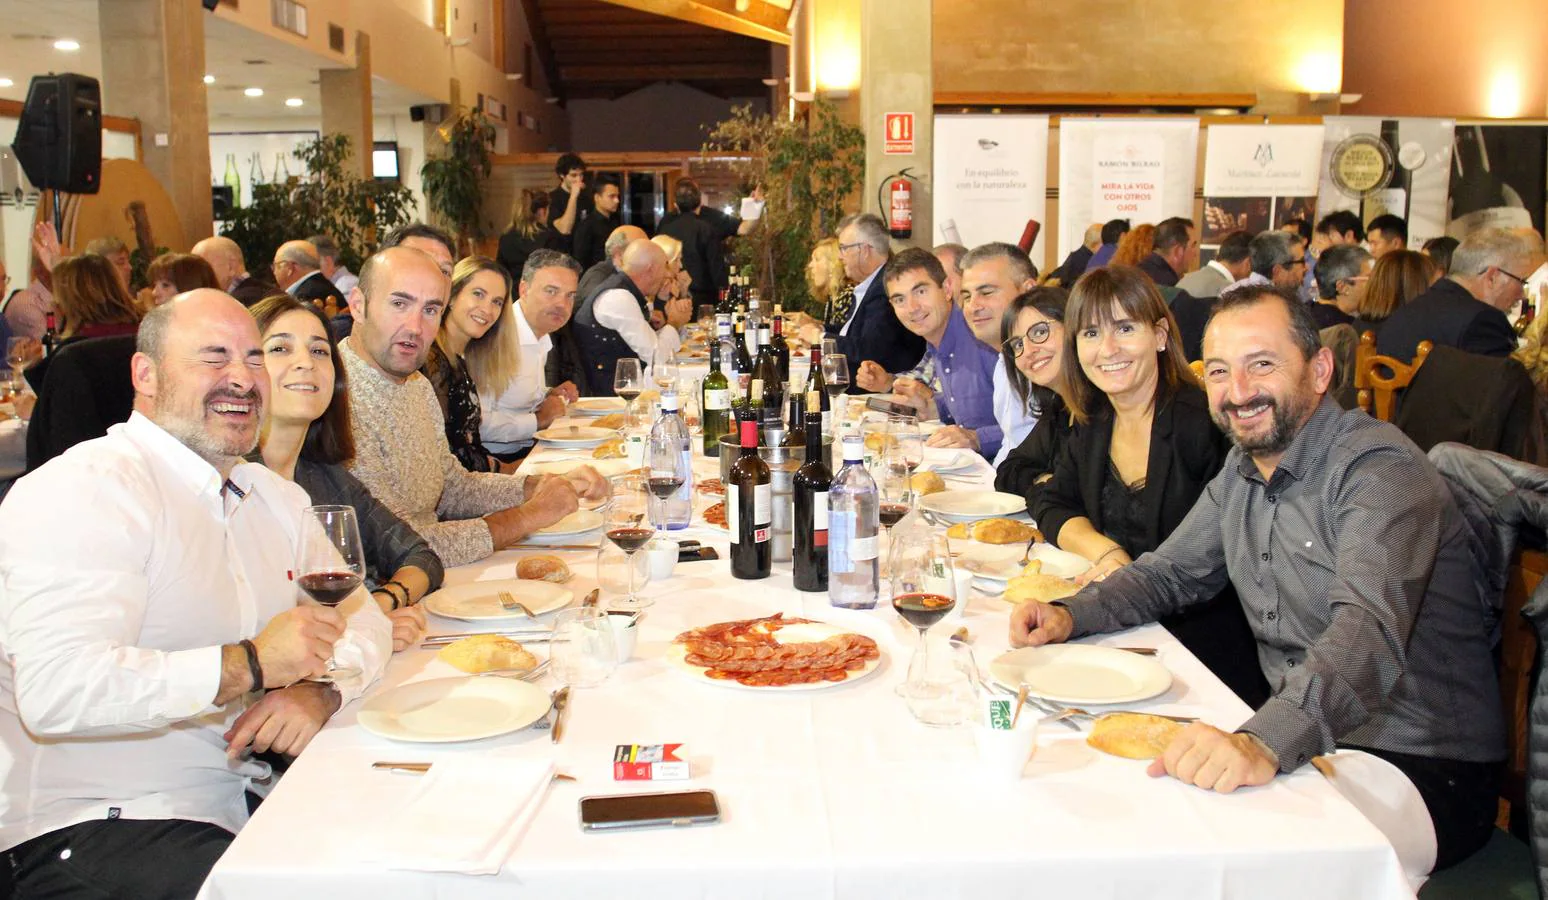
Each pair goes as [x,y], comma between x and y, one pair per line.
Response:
[144,595]
[546,298]
[993,275]
[613,324]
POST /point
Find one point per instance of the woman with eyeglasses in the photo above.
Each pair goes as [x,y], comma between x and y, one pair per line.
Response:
[1033,353]
[1140,453]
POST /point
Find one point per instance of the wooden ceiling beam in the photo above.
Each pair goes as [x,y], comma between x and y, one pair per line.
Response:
[663,71]
[537,28]
[762,21]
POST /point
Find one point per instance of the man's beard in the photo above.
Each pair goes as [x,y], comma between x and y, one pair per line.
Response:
[193,434]
[1284,423]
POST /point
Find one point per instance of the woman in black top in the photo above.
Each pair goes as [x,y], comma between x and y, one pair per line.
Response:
[475,350]
[1032,348]
[528,231]
[306,438]
[1142,449]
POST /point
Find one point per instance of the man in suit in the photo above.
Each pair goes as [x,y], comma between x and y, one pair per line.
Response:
[872,332]
[1466,309]
[225,257]
[1232,262]
[298,272]
[1175,253]
[622,236]
[1074,265]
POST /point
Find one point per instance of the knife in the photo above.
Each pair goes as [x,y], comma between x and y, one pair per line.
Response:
[561,707]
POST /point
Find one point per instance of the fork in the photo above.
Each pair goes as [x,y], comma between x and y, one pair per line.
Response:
[509,601]
[1078,713]
[1026,557]
[532,674]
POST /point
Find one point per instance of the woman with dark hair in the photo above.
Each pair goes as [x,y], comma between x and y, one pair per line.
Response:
[171,274]
[1439,250]
[476,349]
[527,232]
[1140,453]
[1033,352]
[306,438]
[90,301]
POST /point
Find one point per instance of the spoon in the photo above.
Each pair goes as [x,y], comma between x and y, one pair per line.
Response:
[1027,556]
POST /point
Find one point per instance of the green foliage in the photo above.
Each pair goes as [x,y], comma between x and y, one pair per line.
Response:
[452,183]
[356,212]
[808,169]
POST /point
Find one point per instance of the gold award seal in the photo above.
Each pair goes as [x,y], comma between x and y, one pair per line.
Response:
[1361,164]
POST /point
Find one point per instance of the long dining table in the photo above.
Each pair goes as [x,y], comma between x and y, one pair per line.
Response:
[831,793]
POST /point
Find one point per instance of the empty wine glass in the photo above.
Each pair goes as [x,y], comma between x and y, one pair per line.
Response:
[628,526]
[665,369]
[835,375]
[628,382]
[330,564]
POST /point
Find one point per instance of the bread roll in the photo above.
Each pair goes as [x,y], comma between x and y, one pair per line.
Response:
[926,483]
[962,531]
[1042,588]
[1004,531]
[485,653]
[613,449]
[611,420]
[1133,735]
[543,568]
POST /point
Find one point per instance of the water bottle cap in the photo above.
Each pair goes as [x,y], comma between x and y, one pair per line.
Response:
[669,401]
[854,447]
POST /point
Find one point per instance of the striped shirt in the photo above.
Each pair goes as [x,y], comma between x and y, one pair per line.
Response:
[1355,569]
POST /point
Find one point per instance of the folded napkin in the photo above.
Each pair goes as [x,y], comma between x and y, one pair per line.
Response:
[950,459]
[466,815]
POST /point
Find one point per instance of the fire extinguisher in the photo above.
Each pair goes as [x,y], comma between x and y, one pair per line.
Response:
[899,204]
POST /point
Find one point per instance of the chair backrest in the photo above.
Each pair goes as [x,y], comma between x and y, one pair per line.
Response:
[1378,378]
[1198,369]
[1518,655]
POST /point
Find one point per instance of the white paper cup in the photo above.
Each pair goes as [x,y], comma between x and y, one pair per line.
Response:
[1003,753]
[626,631]
[662,555]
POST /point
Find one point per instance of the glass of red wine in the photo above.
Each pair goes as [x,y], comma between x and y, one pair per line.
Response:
[628,383]
[629,528]
[330,564]
[895,489]
[905,438]
[923,593]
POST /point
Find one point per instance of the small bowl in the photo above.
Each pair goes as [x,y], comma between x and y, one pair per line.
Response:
[626,631]
[662,556]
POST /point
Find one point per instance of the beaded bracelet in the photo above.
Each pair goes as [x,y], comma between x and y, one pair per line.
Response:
[253,668]
[404,602]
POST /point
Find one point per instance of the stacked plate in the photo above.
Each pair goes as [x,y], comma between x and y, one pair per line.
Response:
[597,406]
[576,436]
[970,506]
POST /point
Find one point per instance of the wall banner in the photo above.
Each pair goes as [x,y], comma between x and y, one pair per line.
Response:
[1374,166]
[991,175]
[1257,177]
[1136,169]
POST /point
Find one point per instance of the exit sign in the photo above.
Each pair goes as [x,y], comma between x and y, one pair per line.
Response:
[899,134]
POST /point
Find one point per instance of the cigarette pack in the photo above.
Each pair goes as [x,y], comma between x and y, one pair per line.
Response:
[649,762]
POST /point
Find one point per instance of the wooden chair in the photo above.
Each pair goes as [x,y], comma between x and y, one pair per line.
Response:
[1374,386]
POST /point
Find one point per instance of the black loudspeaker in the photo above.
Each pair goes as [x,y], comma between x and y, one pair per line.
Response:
[59,136]
[222,198]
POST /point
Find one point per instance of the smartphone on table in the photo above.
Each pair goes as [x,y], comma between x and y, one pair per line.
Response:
[676,809]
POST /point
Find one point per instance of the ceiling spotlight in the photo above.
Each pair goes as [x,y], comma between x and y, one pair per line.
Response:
[512,76]
[293,101]
[209,79]
[67,45]
[6,82]
[771,82]
[254,92]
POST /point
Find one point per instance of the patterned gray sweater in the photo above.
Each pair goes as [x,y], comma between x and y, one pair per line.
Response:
[402,456]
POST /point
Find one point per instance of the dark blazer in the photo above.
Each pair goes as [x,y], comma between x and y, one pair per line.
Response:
[875,333]
[1482,401]
[316,286]
[1192,314]
[514,249]
[1073,266]
[86,389]
[1159,270]
[254,288]
[1446,314]
[1186,453]
[1035,456]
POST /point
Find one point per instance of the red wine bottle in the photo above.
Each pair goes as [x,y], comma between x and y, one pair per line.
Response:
[810,488]
[750,503]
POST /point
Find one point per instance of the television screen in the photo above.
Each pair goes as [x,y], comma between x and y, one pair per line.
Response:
[384,159]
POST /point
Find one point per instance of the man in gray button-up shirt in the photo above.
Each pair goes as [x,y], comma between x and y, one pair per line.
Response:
[1354,566]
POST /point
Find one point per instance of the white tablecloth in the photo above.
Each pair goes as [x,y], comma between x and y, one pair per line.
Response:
[830,793]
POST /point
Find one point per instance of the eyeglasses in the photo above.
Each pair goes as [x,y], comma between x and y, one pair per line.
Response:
[1037,334]
[845,248]
[1511,275]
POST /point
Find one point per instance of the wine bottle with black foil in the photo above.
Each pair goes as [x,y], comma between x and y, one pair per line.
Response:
[766,368]
[750,503]
[715,403]
[780,346]
[741,360]
[810,488]
[1479,197]
[795,426]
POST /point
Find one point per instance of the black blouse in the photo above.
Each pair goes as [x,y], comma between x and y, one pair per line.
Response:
[1035,456]
[459,408]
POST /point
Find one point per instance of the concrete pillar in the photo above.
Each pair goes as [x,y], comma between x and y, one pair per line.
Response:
[153,70]
[895,76]
[346,105]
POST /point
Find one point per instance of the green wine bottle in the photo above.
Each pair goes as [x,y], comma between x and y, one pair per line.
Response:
[715,403]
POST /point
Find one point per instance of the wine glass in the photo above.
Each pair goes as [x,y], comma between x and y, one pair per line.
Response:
[905,437]
[895,493]
[628,526]
[330,565]
[668,467]
[19,351]
[835,375]
[665,370]
[628,382]
[923,593]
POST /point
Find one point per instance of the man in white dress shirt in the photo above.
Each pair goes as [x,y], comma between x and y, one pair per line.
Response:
[613,324]
[546,297]
[993,275]
[144,596]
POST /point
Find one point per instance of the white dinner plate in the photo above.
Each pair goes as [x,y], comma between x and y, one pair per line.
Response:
[970,506]
[1001,562]
[578,522]
[607,468]
[597,406]
[478,601]
[443,710]
[1079,674]
[576,436]
[676,660]
[948,459]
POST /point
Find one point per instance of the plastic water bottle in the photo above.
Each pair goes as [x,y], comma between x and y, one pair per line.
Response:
[854,523]
[669,458]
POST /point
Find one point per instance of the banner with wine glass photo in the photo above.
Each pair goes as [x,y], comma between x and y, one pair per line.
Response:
[1143,170]
[1402,166]
[1258,177]
[991,179]
[1499,178]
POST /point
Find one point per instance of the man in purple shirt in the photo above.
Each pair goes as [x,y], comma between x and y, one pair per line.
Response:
[964,367]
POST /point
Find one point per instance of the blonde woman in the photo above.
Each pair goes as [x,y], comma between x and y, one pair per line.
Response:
[527,232]
[673,305]
[829,288]
[476,345]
